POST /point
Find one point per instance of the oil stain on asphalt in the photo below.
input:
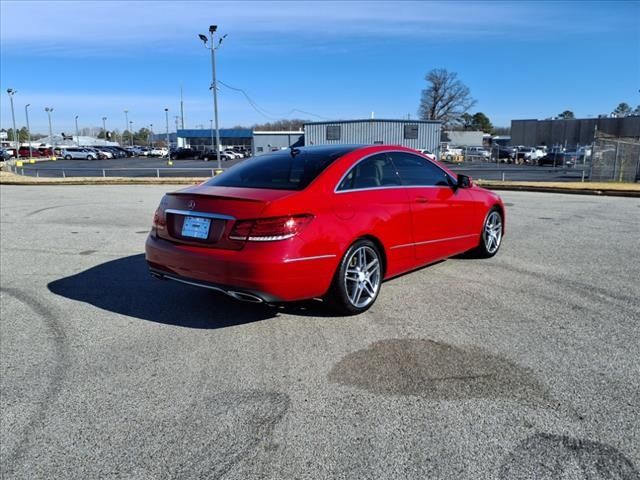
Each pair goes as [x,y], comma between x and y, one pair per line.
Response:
[438,371]
[548,457]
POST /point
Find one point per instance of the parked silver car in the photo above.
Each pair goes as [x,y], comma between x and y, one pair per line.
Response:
[76,153]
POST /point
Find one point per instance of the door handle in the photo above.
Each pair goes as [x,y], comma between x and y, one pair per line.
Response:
[421,199]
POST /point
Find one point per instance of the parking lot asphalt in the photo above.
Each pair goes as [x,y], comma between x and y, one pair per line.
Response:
[147,167]
[526,365]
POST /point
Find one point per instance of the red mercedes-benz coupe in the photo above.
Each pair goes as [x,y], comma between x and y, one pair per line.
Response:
[327,222]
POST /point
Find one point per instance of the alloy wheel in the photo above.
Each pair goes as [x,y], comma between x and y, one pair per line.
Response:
[493,232]
[362,276]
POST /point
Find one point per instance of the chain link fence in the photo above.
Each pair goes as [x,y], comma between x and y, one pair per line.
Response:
[615,160]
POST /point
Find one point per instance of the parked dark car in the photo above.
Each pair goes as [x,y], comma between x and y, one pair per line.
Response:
[5,154]
[182,153]
[211,155]
[506,154]
[559,159]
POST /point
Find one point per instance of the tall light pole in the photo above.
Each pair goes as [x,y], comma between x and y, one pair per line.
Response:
[214,85]
[104,127]
[126,125]
[53,145]
[11,92]
[26,114]
[151,135]
[77,132]
[131,132]
[166,114]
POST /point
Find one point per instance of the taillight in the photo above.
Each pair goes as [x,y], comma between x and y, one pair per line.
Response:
[269,229]
[159,220]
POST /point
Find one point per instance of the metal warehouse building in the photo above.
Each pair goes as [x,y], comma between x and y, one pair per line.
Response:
[265,142]
[571,132]
[204,139]
[418,134]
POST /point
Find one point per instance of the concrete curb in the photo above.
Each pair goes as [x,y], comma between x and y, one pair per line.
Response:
[613,190]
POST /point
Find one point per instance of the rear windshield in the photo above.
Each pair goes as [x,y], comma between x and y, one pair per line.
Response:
[280,170]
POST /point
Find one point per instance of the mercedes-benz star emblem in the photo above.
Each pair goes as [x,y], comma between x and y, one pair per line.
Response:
[191,204]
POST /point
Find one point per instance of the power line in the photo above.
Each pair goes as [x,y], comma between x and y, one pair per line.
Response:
[267,113]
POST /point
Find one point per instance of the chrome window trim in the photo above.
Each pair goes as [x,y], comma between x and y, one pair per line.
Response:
[194,213]
[386,187]
[302,259]
[459,237]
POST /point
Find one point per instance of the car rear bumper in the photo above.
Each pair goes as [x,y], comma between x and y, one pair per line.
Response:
[270,271]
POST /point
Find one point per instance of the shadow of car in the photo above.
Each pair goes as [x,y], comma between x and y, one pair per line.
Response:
[124,286]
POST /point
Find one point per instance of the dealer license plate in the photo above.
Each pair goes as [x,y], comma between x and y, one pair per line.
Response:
[196,227]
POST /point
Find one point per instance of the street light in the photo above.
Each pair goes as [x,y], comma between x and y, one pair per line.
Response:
[131,131]
[104,127]
[53,145]
[166,114]
[77,133]
[214,85]
[26,114]
[11,92]
[126,125]
[151,135]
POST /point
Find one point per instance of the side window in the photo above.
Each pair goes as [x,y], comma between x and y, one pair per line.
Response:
[411,132]
[375,171]
[417,171]
[333,132]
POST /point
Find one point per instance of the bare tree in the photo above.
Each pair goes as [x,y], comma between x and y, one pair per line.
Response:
[566,115]
[446,98]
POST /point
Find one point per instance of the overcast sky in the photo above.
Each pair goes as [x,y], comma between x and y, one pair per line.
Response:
[334,60]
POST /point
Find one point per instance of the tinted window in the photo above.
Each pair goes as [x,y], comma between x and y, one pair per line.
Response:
[416,170]
[280,170]
[411,132]
[333,132]
[375,171]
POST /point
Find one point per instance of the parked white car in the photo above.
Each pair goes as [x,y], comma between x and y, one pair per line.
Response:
[77,153]
[233,154]
[478,152]
[159,152]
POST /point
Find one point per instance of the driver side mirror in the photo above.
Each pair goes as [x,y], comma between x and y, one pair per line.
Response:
[464,181]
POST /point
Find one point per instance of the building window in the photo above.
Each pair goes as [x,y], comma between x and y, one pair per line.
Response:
[411,132]
[333,132]
[259,149]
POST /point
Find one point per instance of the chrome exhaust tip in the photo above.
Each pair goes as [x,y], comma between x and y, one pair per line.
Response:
[244,297]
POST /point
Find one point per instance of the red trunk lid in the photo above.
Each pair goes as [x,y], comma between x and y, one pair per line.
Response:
[216,209]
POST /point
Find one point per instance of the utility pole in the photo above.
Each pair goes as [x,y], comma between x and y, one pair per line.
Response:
[77,133]
[166,114]
[104,127]
[126,124]
[131,132]
[181,110]
[151,135]
[211,134]
[214,85]
[11,92]
[26,113]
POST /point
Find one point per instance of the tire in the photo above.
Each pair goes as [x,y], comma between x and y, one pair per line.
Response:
[491,235]
[357,281]
[67,157]
[90,157]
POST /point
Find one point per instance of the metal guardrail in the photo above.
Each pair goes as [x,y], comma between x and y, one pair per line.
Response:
[104,172]
[163,172]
